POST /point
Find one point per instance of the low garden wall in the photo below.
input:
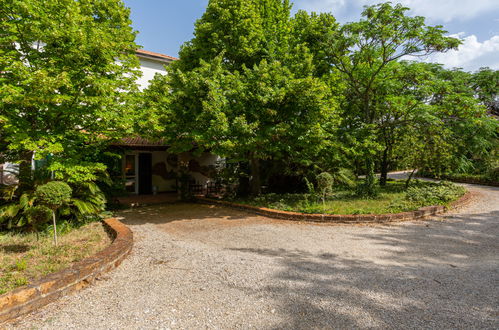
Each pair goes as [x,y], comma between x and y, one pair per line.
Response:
[48,289]
[473,181]
[337,218]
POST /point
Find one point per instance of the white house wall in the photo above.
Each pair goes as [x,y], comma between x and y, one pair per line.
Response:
[162,183]
[149,69]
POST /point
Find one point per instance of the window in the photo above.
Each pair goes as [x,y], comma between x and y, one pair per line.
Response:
[130,173]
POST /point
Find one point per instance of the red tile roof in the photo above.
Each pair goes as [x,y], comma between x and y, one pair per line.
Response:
[155,55]
[140,142]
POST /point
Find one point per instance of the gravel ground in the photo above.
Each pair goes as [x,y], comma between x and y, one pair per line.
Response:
[199,266]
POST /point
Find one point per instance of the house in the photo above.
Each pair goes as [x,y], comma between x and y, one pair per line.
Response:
[147,166]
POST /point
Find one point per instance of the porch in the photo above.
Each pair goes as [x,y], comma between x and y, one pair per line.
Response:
[150,170]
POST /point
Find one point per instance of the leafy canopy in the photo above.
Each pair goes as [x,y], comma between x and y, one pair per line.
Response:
[364,53]
[244,87]
[66,68]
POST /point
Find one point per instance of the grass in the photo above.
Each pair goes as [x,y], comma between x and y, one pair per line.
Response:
[24,259]
[391,199]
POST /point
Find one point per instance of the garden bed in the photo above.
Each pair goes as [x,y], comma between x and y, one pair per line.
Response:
[391,199]
[24,259]
[392,204]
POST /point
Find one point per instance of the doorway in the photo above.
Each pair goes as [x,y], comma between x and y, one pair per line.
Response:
[145,174]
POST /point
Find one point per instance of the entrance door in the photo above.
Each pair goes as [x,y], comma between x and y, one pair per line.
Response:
[145,174]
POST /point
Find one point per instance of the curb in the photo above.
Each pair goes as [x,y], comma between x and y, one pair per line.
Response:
[420,213]
[48,289]
[474,181]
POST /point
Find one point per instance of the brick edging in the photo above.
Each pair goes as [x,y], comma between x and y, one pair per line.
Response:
[337,218]
[473,181]
[28,298]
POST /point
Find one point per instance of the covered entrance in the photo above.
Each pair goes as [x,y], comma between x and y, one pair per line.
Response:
[150,169]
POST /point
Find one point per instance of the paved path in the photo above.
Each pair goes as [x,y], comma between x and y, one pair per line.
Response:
[198,266]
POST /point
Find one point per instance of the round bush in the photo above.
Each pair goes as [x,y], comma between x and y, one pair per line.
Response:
[53,194]
[325,182]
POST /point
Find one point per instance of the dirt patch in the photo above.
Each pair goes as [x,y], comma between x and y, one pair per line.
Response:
[185,219]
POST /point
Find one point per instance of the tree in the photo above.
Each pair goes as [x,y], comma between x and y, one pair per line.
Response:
[401,103]
[243,31]
[53,195]
[66,68]
[318,32]
[473,133]
[449,130]
[325,185]
[485,82]
[243,89]
[363,53]
[261,113]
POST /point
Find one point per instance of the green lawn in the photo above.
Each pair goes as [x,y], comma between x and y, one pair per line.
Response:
[391,199]
[24,259]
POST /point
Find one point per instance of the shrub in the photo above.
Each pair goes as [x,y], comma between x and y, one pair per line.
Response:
[38,216]
[325,183]
[53,194]
[493,175]
[434,194]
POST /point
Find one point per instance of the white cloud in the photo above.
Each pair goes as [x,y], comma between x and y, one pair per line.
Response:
[448,10]
[320,5]
[471,55]
[435,10]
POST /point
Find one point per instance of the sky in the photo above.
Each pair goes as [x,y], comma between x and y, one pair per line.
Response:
[164,25]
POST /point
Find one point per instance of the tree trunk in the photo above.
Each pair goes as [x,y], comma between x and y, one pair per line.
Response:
[255,182]
[409,179]
[55,228]
[25,175]
[384,168]
[370,183]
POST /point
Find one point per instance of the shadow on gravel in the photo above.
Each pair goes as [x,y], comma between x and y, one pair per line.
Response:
[166,213]
[440,275]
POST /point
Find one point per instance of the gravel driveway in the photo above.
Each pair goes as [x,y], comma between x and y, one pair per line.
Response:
[199,266]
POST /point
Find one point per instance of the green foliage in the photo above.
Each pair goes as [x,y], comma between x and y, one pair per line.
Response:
[325,183]
[493,175]
[78,204]
[38,216]
[364,53]
[434,194]
[67,69]
[244,88]
[12,213]
[449,131]
[392,198]
[53,194]
[485,83]
[88,201]
[310,186]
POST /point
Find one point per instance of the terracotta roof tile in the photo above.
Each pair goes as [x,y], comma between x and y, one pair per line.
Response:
[157,55]
[140,142]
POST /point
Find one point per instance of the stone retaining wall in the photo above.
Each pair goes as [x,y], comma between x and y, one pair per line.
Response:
[48,289]
[337,218]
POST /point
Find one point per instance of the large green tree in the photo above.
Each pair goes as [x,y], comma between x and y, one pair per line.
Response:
[485,83]
[245,89]
[363,52]
[66,68]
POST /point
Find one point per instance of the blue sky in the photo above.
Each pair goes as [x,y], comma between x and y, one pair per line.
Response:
[164,25]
